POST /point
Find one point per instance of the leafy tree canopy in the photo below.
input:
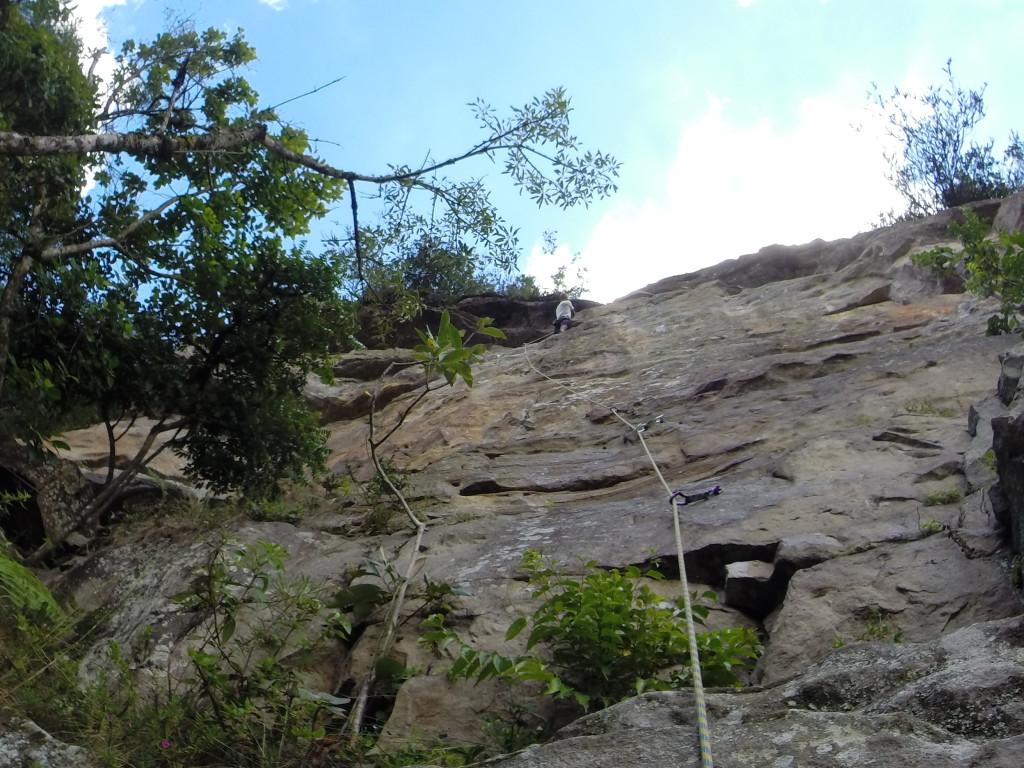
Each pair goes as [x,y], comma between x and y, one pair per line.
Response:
[180,289]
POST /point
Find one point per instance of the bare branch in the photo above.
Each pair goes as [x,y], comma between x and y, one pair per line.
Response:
[303,95]
[62,251]
[355,230]
[7,304]
[179,84]
[103,499]
[20,145]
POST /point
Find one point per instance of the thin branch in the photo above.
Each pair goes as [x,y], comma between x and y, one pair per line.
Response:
[427,389]
[111,451]
[303,95]
[355,230]
[96,55]
[51,254]
[129,425]
[391,622]
[179,84]
[106,496]
[324,169]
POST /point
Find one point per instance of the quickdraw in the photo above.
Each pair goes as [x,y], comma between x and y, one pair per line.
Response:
[689,498]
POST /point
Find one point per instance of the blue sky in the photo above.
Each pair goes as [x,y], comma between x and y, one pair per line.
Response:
[732,118]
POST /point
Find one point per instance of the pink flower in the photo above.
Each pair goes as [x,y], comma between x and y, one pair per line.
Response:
[165,744]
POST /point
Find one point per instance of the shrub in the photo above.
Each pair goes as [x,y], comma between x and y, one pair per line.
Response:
[605,636]
[242,703]
[994,267]
[939,165]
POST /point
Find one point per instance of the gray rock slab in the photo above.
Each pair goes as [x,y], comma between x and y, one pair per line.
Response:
[876,704]
[913,591]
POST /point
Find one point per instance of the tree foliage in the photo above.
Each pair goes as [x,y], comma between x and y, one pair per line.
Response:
[180,288]
[449,274]
[993,266]
[939,165]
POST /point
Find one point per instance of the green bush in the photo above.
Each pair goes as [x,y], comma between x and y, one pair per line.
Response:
[448,272]
[939,165]
[993,267]
[241,702]
[38,677]
[605,636]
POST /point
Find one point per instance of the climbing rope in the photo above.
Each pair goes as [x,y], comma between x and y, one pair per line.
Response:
[703,731]
[676,500]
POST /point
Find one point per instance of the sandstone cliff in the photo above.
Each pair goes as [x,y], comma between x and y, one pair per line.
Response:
[826,388]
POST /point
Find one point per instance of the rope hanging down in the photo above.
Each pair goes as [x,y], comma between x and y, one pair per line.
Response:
[676,500]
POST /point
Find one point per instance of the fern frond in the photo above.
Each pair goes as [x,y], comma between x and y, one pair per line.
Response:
[25,593]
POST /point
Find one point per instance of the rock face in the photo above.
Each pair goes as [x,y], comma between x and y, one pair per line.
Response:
[897,706]
[23,743]
[60,490]
[1007,425]
[522,320]
[841,399]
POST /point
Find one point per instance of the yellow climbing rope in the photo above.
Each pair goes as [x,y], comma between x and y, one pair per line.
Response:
[703,730]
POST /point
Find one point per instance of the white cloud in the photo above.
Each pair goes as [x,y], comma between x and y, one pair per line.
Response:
[92,30]
[543,266]
[734,189]
[277,5]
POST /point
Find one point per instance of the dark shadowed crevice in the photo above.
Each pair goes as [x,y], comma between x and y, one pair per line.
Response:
[21,522]
[707,565]
[849,338]
[481,487]
[573,484]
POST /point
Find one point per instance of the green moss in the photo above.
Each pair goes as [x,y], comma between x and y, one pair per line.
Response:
[922,407]
[943,497]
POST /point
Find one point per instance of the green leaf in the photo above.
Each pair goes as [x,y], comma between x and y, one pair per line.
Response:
[227,630]
[517,626]
[450,359]
[390,668]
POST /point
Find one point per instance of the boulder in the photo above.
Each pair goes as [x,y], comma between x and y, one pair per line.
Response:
[23,743]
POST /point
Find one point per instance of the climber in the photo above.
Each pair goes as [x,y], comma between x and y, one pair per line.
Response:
[564,314]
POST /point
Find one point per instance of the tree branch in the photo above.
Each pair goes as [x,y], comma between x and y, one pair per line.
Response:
[20,145]
[7,301]
[179,84]
[59,252]
[355,230]
[109,492]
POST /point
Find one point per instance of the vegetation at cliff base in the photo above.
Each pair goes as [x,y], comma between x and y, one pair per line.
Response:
[600,637]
